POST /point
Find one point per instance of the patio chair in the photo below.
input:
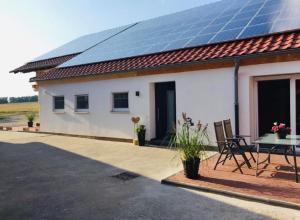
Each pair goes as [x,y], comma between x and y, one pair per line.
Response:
[240,139]
[229,148]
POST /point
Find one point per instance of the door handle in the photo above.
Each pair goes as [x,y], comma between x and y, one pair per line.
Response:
[157,114]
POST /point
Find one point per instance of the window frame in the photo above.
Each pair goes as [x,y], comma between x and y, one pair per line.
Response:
[82,110]
[114,109]
[62,110]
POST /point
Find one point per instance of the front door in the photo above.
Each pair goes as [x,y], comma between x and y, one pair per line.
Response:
[273,104]
[165,109]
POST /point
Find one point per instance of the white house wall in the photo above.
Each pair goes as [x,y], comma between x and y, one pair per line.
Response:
[204,95]
[207,95]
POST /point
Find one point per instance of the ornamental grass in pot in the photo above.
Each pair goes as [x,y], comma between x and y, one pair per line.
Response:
[190,141]
[141,134]
[30,118]
[139,131]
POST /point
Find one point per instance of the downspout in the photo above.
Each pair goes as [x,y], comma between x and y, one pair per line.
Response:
[236,95]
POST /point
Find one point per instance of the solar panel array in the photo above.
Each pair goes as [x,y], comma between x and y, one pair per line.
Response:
[82,43]
[216,22]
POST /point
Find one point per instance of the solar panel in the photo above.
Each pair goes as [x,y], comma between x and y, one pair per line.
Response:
[216,22]
[82,43]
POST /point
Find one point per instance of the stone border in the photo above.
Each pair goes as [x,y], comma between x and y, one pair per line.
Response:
[267,201]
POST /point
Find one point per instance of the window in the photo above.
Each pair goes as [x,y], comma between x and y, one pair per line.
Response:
[82,102]
[58,103]
[120,101]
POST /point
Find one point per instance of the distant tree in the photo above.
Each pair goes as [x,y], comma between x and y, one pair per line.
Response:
[3,100]
[23,99]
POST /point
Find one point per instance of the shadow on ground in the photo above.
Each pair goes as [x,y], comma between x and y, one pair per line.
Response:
[39,181]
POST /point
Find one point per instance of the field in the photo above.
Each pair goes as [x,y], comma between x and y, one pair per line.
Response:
[15,114]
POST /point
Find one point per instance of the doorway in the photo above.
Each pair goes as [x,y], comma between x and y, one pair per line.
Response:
[273,104]
[165,109]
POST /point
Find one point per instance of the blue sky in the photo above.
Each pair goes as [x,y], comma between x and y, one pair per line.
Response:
[30,28]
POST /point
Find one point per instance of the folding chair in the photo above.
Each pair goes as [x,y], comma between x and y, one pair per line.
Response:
[240,139]
[229,148]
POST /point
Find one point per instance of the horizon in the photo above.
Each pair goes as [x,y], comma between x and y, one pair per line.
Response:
[42,26]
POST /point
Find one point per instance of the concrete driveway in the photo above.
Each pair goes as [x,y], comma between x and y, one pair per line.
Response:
[56,177]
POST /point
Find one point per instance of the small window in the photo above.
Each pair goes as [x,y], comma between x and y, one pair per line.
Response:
[120,101]
[82,102]
[58,103]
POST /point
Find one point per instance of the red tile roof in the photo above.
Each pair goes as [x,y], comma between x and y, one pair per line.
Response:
[257,45]
[43,64]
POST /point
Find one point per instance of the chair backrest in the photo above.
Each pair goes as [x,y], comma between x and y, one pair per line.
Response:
[220,135]
[228,128]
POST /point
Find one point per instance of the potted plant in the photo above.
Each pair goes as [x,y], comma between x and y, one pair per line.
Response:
[135,121]
[30,117]
[281,130]
[190,140]
[141,132]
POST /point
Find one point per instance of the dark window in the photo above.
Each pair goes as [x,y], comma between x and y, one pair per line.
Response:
[120,100]
[59,102]
[82,102]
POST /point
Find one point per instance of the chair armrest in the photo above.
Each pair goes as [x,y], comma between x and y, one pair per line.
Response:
[243,136]
[221,142]
[233,139]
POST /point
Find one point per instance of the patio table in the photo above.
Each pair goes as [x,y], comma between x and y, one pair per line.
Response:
[290,143]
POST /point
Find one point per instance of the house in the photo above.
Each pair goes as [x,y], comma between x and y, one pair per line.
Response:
[229,59]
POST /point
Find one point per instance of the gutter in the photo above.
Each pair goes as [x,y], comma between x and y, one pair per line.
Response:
[236,96]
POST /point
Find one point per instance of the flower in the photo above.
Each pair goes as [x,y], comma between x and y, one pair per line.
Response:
[280,128]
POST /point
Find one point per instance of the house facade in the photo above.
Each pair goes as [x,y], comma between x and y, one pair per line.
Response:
[253,80]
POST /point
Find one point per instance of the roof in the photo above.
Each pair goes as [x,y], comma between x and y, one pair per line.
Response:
[253,46]
[217,22]
[82,43]
[43,64]
[69,50]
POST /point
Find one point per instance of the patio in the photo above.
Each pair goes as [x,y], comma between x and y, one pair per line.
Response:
[275,182]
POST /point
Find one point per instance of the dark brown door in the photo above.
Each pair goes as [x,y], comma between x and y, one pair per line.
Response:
[273,104]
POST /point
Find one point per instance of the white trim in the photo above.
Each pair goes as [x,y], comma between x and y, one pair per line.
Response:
[293,105]
[293,114]
[59,111]
[82,111]
[120,110]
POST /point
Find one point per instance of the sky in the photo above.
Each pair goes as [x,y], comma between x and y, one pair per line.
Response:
[30,28]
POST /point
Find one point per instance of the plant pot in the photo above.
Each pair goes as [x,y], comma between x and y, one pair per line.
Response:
[281,135]
[30,124]
[191,168]
[141,137]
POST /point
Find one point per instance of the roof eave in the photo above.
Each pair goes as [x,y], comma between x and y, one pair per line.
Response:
[215,60]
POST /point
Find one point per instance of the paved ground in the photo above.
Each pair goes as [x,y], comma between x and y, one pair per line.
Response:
[55,177]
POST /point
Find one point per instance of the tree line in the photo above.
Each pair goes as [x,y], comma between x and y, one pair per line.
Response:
[6,100]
